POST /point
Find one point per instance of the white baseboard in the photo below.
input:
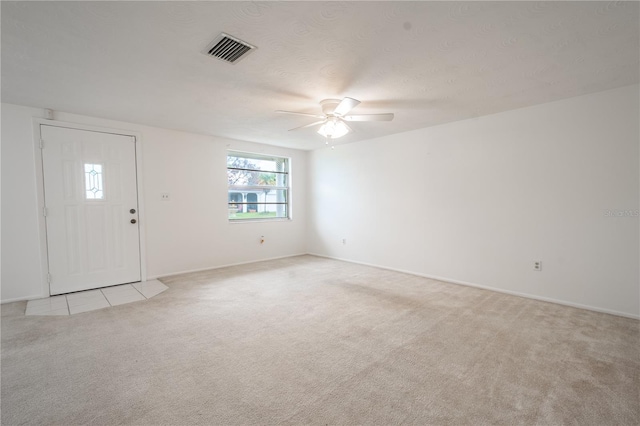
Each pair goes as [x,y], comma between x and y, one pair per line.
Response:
[21,299]
[153,277]
[170,274]
[485,287]
[434,277]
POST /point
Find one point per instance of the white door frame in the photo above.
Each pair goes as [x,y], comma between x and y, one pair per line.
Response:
[42,229]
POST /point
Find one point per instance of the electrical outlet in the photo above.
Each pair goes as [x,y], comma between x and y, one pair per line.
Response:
[537,265]
[164,196]
[344,241]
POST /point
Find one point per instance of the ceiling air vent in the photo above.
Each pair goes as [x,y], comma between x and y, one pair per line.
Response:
[228,48]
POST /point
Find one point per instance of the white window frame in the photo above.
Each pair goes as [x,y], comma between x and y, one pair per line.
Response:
[246,188]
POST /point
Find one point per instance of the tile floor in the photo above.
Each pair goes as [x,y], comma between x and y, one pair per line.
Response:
[90,300]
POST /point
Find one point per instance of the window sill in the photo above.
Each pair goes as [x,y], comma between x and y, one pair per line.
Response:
[284,219]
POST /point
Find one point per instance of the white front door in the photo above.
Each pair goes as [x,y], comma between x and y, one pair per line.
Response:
[91,208]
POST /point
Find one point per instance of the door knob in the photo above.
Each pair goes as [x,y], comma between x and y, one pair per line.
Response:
[133,221]
[132,211]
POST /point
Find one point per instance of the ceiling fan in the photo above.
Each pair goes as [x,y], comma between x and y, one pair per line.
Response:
[334,117]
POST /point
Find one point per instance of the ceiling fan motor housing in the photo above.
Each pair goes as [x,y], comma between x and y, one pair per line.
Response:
[335,113]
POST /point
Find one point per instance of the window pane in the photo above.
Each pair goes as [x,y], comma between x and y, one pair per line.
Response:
[256,179]
[258,186]
[259,164]
[264,211]
[253,198]
[93,182]
[241,177]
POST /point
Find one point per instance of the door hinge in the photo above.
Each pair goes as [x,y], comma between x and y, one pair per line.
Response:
[41,143]
[49,278]
[44,211]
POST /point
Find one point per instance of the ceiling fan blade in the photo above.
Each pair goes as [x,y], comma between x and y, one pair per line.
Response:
[369,117]
[345,105]
[300,113]
[308,125]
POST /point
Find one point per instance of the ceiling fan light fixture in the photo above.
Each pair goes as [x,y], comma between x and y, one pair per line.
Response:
[335,115]
[333,129]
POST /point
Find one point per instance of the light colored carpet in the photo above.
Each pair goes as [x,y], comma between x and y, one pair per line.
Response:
[307,340]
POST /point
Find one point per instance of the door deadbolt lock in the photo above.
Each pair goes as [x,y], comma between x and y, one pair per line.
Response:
[133,221]
[132,211]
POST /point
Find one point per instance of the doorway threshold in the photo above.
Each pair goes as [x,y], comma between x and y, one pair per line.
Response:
[91,300]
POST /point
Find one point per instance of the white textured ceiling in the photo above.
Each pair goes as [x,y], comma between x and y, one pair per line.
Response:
[427,62]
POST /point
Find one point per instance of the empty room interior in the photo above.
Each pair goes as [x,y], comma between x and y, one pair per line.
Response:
[349,213]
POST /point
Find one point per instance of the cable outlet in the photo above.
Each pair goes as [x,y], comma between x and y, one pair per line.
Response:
[537,265]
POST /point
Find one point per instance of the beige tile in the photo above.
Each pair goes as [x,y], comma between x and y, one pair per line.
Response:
[150,288]
[46,301]
[117,289]
[122,294]
[48,304]
[76,309]
[90,300]
[42,310]
[86,298]
[121,300]
[55,312]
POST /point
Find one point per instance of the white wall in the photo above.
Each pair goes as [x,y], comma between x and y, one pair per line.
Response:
[479,201]
[21,261]
[473,202]
[189,232]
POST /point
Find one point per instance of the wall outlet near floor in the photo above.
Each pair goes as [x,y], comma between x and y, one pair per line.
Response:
[164,196]
[537,265]
[344,241]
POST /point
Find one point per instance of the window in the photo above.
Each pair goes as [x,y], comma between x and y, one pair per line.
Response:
[258,186]
[93,182]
